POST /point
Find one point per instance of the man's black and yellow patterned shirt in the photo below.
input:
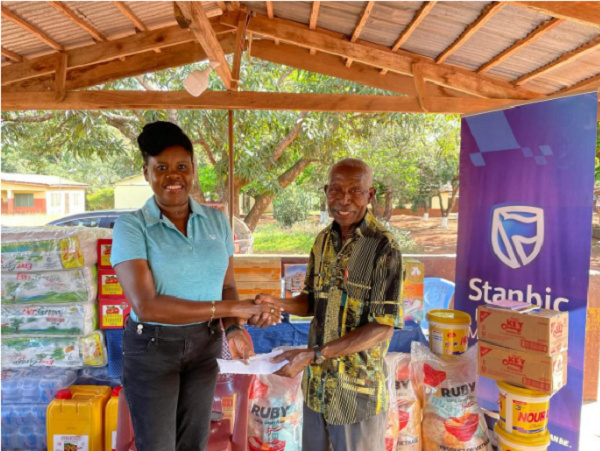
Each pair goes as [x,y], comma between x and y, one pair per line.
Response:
[349,285]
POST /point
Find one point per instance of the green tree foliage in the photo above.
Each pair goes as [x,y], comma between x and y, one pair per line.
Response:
[291,206]
[101,199]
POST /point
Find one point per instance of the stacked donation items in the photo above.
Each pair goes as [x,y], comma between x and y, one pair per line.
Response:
[49,322]
[433,393]
[113,308]
[524,348]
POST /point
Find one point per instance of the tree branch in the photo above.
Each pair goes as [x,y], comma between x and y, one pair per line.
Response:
[42,118]
[289,139]
[206,147]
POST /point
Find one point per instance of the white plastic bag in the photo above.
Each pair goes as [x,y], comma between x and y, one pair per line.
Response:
[275,414]
[452,419]
[404,429]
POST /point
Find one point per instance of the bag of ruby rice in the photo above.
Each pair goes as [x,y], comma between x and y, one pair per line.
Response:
[404,428]
[275,414]
[447,387]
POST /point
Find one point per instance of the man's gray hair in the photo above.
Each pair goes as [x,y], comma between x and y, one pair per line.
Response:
[354,163]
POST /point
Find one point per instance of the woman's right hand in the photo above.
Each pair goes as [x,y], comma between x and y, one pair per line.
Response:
[247,309]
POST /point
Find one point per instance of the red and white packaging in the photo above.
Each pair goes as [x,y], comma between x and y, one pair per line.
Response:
[113,313]
[108,285]
[104,251]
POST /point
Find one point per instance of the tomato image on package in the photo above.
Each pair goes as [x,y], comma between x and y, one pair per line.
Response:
[108,285]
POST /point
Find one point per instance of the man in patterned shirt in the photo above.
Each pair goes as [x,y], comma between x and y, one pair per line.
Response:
[352,287]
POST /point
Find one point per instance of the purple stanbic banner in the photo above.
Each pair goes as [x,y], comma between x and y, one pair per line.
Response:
[525,224]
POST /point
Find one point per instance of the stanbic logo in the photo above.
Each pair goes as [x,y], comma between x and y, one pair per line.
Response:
[517,234]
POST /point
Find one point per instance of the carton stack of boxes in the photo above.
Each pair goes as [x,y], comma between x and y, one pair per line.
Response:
[413,290]
[524,348]
[49,322]
[113,308]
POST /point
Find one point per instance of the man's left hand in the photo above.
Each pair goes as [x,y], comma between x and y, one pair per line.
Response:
[239,345]
[298,360]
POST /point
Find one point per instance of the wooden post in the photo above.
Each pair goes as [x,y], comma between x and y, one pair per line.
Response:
[230,169]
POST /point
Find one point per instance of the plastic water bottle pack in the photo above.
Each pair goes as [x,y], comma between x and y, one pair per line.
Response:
[36,385]
[23,426]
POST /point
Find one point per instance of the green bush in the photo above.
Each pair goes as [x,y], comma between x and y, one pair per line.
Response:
[102,199]
[291,206]
[406,243]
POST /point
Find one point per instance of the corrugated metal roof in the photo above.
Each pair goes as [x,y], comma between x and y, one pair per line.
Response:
[442,26]
[35,179]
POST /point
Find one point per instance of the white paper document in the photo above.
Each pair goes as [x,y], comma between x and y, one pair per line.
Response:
[258,364]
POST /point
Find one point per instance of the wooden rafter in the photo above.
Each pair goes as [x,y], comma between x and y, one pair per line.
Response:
[62,8]
[142,63]
[60,78]
[587,13]
[382,57]
[101,52]
[234,5]
[127,12]
[411,27]
[200,26]
[240,43]
[222,5]
[271,15]
[360,26]
[490,11]
[11,55]
[420,85]
[235,100]
[294,56]
[566,58]
[591,82]
[9,15]
[536,34]
[314,19]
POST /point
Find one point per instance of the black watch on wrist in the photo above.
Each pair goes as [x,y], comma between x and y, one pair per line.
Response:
[232,328]
[319,357]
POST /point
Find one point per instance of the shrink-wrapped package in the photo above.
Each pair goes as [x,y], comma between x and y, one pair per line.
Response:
[49,248]
[55,319]
[64,352]
[48,287]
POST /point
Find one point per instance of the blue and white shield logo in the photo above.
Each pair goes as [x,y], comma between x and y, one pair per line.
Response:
[517,234]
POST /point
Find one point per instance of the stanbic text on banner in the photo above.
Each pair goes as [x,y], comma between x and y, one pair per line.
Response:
[525,219]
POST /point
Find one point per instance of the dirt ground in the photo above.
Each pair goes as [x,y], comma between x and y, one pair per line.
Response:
[435,240]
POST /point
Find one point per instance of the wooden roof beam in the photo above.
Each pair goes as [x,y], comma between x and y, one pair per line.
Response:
[127,12]
[490,11]
[62,8]
[202,29]
[360,26]
[411,27]
[314,19]
[586,13]
[590,82]
[233,5]
[9,15]
[240,43]
[142,63]
[223,6]
[11,55]
[536,34]
[565,58]
[271,15]
[241,100]
[332,65]
[383,58]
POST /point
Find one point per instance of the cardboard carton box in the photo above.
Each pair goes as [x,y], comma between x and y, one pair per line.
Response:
[113,313]
[108,285]
[413,289]
[104,250]
[541,331]
[540,372]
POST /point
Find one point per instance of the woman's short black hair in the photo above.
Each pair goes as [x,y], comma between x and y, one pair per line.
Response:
[159,135]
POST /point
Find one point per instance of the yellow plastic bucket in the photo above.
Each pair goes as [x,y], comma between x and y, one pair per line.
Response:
[511,442]
[523,411]
[448,331]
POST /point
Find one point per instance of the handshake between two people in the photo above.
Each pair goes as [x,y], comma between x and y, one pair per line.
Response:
[262,311]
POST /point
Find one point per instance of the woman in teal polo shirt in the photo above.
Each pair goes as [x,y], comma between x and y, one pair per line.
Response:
[174,259]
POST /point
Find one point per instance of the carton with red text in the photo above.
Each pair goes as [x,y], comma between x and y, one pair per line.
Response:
[108,285]
[104,251]
[538,330]
[540,372]
[113,313]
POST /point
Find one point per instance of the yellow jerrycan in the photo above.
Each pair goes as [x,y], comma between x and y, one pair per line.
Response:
[110,420]
[75,418]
